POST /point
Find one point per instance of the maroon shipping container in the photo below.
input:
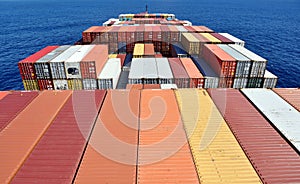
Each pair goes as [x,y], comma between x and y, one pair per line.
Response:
[222,38]
[158,56]
[122,57]
[175,34]
[165,34]
[122,34]
[86,35]
[226,82]
[95,35]
[190,29]
[181,77]
[203,29]
[26,66]
[46,84]
[151,86]
[56,157]
[291,95]
[12,104]
[113,34]
[130,34]
[148,35]
[271,156]
[104,34]
[221,62]
[156,31]
[139,33]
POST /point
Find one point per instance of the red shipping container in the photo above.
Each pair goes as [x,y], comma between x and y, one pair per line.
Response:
[86,35]
[3,94]
[113,34]
[190,29]
[149,50]
[156,31]
[139,33]
[165,34]
[104,34]
[226,82]
[92,64]
[148,35]
[203,29]
[174,34]
[58,153]
[196,78]
[291,95]
[151,86]
[95,35]
[272,157]
[130,34]
[181,78]
[26,66]
[222,38]
[122,34]
[13,104]
[46,84]
[221,62]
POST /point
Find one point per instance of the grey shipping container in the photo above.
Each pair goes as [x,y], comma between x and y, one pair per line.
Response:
[60,84]
[89,84]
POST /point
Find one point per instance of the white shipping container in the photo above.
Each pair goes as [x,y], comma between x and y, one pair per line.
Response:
[280,113]
[72,64]
[109,76]
[42,66]
[57,65]
[258,63]
[168,86]
[211,78]
[150,74]
[165,75]
[236,40]
[240,82]
[89,84]
[60,84]
[136,71]
[270,80]
[243,63]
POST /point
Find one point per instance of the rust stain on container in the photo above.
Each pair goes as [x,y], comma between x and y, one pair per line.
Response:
[164,155]
[26,129]
[291,95]
[13,104]
[272,157]
[111,155]
[58,153]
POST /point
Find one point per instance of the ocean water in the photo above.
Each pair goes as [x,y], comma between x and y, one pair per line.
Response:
[270,28]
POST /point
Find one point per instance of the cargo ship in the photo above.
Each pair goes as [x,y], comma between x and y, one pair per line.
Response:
[149,98]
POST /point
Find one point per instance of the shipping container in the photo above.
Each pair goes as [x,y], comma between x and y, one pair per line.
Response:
[190,43]
[151,86]
[175,34]
[134,86]
[240,82]
[75,84]
[89,84]
[57,155]
[42,66]
[149,50]
[164,155]
[181,78]
[60,84]
[291,95]
[57,65]
[280,114]
[203,29]
[94,61]
[138,51]
[165,34]
[196,78]
[255,82]
[226,82]
[72,64]
[3,94]
[112,55]
[258,63]
[168,86]
[217,154]
[111,154]
[223,39]
[164,71]
[26,135]
[270,80]
[26,66]
[122,35]
[109,76]
[123,80]
[222,63]
[148,34]
[86,35]
[272,157]
[139,33]
[150,73]
[122,58]
[243,64]
[30,84]
[211,79]
[12,104]
[156,31]
[177,50]
[236,40]
[211,38]
[127,61]
[45,84]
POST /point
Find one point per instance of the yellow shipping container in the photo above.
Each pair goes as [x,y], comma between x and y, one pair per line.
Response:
[211,38]
[75,84]
[217,154]
[112,56]
[190,43]
[30,85]
[138,50]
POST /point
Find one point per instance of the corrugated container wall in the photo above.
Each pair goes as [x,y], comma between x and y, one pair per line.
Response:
[164,71]
[150,73]
[181,78]
[270,80]
[236,40]
[291,95]
[136,71]
[271,156]
[190,43]
[196,78]
[40,118]
[109,76]
[281,114]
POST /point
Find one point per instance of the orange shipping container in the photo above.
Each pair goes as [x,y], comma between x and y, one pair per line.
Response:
[164,154]
[149,50]
[111,154]
[196,78]
[20,138]
[291,95]
[3,94]
[134,86]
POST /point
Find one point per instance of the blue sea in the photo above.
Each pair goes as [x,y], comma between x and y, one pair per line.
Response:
[271,28]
